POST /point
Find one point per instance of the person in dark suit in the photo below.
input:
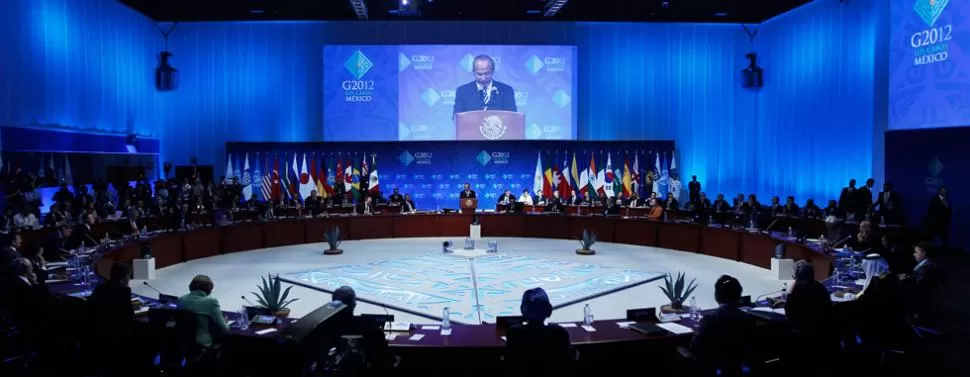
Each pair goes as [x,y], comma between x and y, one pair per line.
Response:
[739,205]
[776,208]
[555,203]
[84,233]
[720,205]
[312,203]
[791,208]
[207,310]
[484,93]
[722,340]
[703,203]
[613,207]
[865,194]
[811,210]
[579,200]
[900,262]
[408,205]
[110,303]
[507,198]
[693,189]
[377,354]
[536,348]
[923,282]
[396,197]
[182,219]
[671,203]
[938,217]
[809,305]
[888,204]
[57,244]
[467,192]
[632,201]
[35,254]
[10,253]
[809,311]
[752,210]
[849,201]
[833,210]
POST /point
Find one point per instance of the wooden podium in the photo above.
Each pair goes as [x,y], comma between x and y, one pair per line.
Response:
[490,125]
[468,205]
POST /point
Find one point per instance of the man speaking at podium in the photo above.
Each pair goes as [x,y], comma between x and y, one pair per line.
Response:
[484,93]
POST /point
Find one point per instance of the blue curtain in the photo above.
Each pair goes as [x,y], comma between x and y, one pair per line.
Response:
[818,108]
[83,65]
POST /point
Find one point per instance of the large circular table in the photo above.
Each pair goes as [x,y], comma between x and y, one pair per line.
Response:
[607,343]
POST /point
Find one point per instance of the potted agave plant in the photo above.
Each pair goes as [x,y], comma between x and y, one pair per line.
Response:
[677,292]
[273,298]
[587,241]
[333,240]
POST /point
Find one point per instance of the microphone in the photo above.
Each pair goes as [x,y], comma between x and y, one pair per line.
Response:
[766,295]
[247,301]
[152,288]
[842,241]
[773,222]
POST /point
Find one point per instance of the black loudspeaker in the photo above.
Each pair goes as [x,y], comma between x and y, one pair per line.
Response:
[146,250]
[753,76]
[166,76]
[187,171]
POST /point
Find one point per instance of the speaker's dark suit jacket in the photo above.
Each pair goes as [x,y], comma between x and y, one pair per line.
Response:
[468,98]
[467,194]
[722,341]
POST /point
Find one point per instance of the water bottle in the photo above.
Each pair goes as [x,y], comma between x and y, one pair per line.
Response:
[784,291]
[243,319]
[751,223]
[710,219]
[445,319]
[693,309]
[587,316]
[665,216]
[791,233]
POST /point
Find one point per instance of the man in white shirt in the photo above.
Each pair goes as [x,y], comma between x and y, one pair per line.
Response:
[525,198]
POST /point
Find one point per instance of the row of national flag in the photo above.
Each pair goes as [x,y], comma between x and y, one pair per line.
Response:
[571,178]
[48,169]
[288,177]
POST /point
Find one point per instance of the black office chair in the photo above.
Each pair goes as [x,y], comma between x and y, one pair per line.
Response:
[174,332]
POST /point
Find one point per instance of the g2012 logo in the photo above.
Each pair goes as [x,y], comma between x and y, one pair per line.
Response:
[358,90]
[931,45]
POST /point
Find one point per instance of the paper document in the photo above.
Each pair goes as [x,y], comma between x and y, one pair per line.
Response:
[431,327]
[416,337]
[676,328]
[567,325]
[589,328]
[266,331]
[624,325]
[445,332]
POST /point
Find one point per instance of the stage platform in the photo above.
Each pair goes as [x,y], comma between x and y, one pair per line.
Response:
[411,279]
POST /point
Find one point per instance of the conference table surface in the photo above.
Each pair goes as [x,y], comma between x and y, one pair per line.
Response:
[754,248]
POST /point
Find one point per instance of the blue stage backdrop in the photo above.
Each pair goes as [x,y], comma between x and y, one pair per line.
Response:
[407,92]
[918,162]
[433,172]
